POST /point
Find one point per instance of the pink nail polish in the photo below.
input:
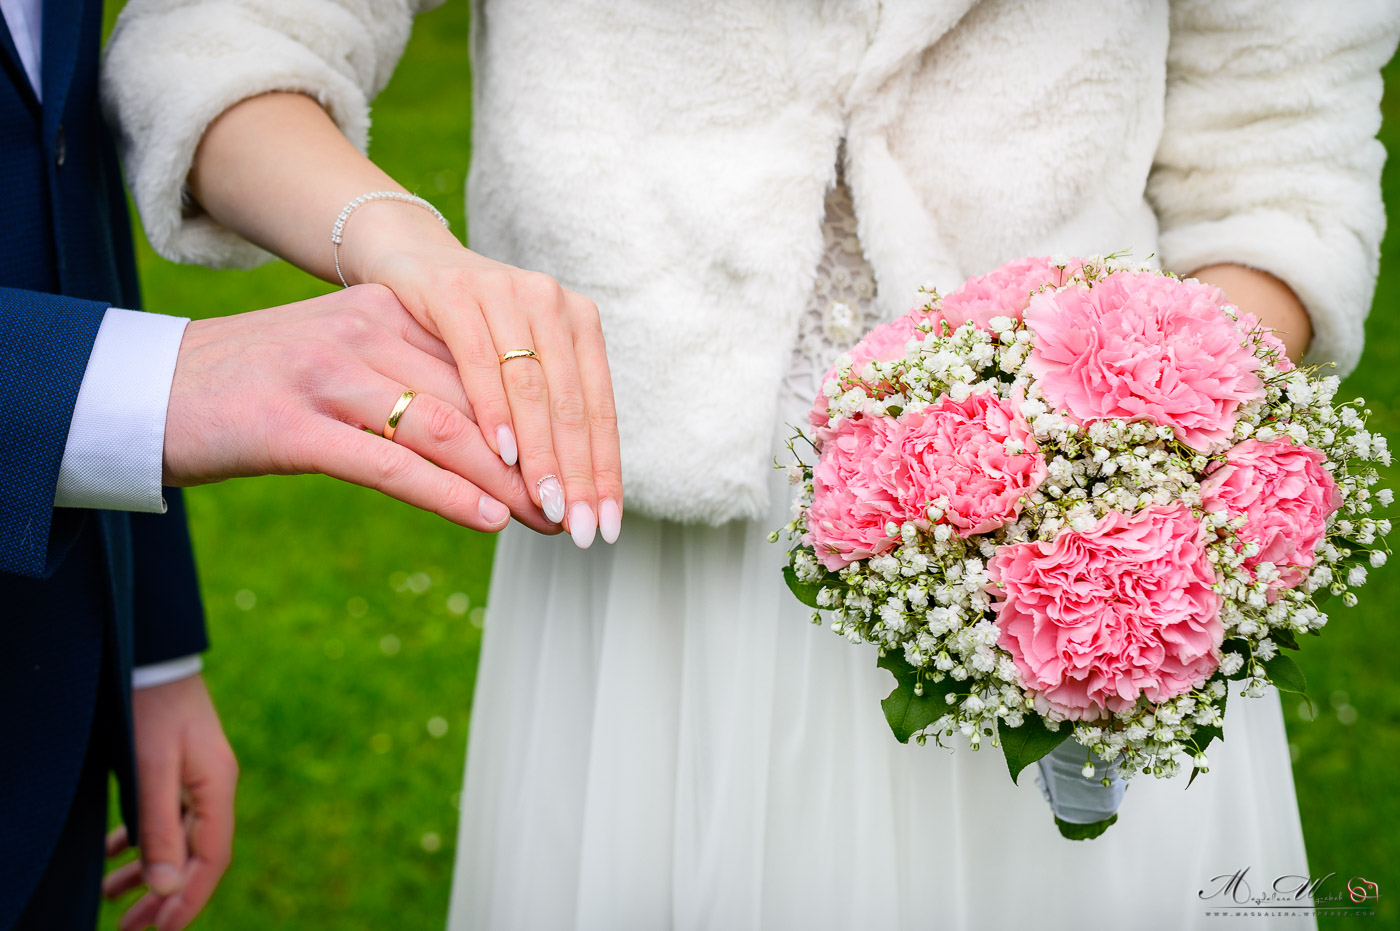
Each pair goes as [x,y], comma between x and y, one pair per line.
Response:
[505,442]
[610,520]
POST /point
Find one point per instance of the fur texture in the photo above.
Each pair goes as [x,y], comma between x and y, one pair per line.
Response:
[669,160]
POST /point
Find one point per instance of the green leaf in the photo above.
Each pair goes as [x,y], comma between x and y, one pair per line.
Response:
[1204,737]
[1285,674]
[906,712]
[1084,831]
[806,592]
[1284,638]
[1032,740]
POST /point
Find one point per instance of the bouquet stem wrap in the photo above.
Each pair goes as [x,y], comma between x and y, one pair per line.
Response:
[1083,805]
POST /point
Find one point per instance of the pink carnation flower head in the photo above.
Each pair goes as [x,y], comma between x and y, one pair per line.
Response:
[851,505]
[1097,619]
[1004,291]
[1140,346]
[1286,495]
[958,451]
[1267,339]
[884,343]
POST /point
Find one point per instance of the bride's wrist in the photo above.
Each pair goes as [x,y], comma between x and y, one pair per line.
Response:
[381,229]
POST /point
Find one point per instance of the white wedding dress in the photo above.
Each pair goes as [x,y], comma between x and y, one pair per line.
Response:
[661,739]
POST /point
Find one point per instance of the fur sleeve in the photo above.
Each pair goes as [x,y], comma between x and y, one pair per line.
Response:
[172,66]
[1269,158]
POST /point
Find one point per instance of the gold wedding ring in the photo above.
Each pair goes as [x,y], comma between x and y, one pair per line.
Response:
[518,354]
[391,425]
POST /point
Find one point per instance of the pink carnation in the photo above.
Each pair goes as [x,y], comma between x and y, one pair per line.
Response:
[851,505]
[1004,291]
[1267,339]
[1096,619]
[957,450]
[1286,495]
[883,344]
[1139,346]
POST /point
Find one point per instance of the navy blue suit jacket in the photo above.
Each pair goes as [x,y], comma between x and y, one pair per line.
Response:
[84,595]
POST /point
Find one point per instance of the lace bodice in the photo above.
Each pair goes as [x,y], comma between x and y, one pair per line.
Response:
[841,308]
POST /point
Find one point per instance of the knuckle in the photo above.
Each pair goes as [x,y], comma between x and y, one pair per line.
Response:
[603,418]
[443,424]
[585,312]
[527,382]
[538,289]
[567,408]
[351,327]
[388,466]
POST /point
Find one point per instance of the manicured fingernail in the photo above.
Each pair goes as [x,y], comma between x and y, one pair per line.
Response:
[163,878]
[552,498]
[610,520]
[505,442]
[582,526]
[492,511]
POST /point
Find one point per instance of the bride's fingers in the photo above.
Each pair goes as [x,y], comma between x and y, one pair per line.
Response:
[469,338]
[592,356]
[568,411]
[528,392]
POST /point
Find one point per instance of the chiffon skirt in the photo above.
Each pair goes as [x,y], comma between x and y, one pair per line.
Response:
[661,739]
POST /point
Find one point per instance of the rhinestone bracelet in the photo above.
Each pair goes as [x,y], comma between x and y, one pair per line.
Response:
[338,230]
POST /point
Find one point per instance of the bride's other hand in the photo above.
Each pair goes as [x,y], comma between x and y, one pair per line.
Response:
[1267,298]
[276,170]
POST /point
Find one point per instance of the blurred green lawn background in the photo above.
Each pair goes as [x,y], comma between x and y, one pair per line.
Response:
[346,627]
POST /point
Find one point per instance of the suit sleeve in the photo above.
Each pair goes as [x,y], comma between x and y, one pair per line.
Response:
[169,615]
[1269,156]
[173,66]
[45,342]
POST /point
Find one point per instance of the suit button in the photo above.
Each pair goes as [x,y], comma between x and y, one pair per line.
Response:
[60,147]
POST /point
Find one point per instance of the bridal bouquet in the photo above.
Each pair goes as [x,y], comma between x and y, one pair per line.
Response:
[1069,503]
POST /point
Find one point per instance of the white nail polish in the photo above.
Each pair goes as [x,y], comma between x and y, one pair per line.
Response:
[552,498]
[582,526]
[609,520]
[505,442]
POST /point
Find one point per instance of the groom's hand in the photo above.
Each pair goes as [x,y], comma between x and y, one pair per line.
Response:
[186,775]
[294,389]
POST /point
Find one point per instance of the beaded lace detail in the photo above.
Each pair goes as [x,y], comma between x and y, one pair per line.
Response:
[842,306]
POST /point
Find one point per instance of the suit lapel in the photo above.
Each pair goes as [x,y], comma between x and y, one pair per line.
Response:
[63,21]
[14,69]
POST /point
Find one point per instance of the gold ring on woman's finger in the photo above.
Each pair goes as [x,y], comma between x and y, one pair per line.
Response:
[518,354]
[391,425]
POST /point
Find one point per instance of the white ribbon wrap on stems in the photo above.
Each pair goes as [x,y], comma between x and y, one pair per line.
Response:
[1074,797]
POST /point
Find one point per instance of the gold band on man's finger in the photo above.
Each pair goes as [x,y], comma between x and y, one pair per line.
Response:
[518,354]
[391,425]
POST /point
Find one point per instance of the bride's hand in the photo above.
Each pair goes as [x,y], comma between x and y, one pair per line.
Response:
[553,410]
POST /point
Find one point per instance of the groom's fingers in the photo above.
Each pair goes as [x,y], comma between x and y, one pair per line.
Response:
[341,451]
[122,880]
[439,432]
[162,836]
[209,828]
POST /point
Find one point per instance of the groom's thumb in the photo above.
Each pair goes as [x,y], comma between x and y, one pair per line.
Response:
[163,844]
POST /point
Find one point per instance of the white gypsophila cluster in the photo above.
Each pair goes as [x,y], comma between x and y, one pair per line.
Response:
[928,598]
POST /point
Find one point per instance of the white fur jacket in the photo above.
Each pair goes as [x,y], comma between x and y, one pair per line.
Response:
[669,159]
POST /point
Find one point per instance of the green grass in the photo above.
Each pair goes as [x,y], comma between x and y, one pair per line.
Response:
[343,622]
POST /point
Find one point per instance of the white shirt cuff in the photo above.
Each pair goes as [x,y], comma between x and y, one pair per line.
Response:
[145,677]
[116,444]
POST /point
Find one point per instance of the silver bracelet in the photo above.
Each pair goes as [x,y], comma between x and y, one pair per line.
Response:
[338,230]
